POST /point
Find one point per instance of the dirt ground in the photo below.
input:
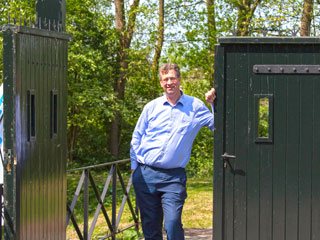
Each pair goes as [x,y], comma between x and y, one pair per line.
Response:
[196,234]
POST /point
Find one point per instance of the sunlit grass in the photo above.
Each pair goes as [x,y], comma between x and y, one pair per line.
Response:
[197,211]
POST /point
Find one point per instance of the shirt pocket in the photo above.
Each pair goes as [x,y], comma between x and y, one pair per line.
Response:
[185,124]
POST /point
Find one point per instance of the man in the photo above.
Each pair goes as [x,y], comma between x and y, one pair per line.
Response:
[160,150]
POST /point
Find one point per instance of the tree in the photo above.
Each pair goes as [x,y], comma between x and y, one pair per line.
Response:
[158,47]
[246,9]
[91,100]
[125,33]
[307,16]
[212,33]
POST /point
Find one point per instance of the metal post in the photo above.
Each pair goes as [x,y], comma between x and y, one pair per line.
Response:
[114,201]
[86,203]
[55,10]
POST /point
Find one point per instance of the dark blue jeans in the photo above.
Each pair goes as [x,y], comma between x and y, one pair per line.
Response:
[160,194]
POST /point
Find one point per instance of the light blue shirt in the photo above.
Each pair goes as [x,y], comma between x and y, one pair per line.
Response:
[164,133]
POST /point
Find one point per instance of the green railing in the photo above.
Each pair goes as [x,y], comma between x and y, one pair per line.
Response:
[86,181]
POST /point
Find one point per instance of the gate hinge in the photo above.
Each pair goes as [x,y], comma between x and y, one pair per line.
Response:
[286,69]
[8,160]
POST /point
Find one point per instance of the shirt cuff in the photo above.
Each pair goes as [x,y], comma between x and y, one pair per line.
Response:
[212,108]
[134,164]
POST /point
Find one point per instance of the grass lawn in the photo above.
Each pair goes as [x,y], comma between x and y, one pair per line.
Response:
[197,211]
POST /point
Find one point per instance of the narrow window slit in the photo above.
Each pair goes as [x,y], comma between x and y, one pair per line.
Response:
[31,114]
[53,113]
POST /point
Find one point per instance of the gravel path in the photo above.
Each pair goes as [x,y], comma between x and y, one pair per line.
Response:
[198,233]
[195,234]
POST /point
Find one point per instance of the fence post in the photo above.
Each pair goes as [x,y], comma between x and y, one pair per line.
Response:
[114,201]
[86,203]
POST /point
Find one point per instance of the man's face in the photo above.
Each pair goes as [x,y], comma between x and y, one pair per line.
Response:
[170,83]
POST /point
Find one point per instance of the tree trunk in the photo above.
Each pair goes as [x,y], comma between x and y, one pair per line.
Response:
[212,36]
[307,16]
[211,23]
[72,136]
[124,37]
[158,48]
[246,11]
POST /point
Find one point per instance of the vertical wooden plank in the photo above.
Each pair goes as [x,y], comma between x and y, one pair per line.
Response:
[241,141]
[29,145]
[230,53]
[51,159]
[315,213]
[59,158]
[293,150]
[63,130]
[253,163]
[26,152]
[33,146]
[34,161]
[59,82]
[306,144]
[24,141]
[41,139]
[46,159]
[266,156]
[18,105]
[279,153]
[20,154]
[37,163]
[218,176]
[57,148]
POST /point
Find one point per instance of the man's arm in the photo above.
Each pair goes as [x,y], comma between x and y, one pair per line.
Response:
[204,115]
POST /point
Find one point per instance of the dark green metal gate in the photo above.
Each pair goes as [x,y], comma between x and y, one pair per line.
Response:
[267,140]
[35,107]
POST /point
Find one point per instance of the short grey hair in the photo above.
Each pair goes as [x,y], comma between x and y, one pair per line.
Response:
[165,68]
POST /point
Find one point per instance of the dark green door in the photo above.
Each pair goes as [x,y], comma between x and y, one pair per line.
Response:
[267,141]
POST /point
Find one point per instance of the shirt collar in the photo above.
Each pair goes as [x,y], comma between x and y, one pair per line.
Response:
[181,100]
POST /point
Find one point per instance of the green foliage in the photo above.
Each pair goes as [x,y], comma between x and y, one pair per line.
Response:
[130,234]
[93,63]
[263,126]
[1,59]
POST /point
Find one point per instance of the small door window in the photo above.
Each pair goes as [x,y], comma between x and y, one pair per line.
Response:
[263,117]
[53,113]
[31,114]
